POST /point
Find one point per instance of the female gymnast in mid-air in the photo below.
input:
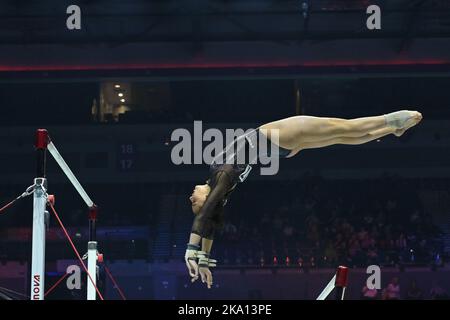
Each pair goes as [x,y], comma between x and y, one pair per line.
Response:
[291,135]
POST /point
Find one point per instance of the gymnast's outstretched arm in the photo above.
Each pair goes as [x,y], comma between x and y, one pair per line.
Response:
[203,229]
[205,221]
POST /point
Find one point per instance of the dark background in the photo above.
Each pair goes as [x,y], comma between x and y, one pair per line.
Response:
[230,64]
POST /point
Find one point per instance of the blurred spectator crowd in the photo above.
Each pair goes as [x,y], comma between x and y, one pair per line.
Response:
[322,223]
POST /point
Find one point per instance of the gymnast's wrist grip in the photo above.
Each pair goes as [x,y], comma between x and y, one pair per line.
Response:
[191,252]
[204,261]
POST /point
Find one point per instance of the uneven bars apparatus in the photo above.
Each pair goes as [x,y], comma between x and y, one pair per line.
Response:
[42,144]
[338,282]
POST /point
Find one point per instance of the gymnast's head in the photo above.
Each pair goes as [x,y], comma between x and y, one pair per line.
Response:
[199,196]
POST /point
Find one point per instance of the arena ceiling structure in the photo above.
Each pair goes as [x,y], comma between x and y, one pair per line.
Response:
[222,38]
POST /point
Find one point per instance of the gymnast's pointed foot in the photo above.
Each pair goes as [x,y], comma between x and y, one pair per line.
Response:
[404,119]
[411,122]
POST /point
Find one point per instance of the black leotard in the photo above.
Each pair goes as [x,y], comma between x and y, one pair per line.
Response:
[226,171]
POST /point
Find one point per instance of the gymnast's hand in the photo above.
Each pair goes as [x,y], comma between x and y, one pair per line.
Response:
[190,258]
[206,275]
[204,263]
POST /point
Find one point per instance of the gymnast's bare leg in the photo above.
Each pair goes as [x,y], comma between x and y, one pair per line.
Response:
[306,132]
